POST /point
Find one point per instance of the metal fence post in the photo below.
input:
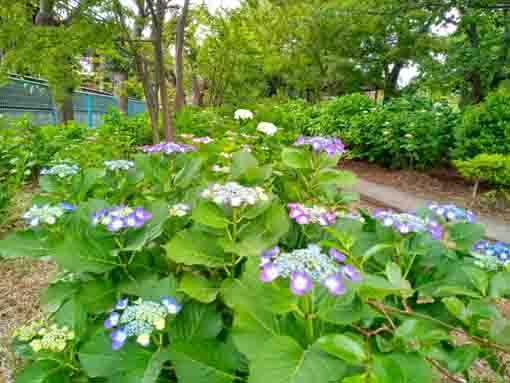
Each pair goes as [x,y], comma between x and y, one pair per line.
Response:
[90,105]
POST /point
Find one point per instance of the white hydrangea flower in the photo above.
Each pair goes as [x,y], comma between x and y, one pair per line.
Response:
[180,210]
[114,165]
[220,169]
[243,114]
[267,128]
[226,155]
[234,195]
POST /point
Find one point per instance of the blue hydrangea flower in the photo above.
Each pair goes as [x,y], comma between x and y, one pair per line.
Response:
[61,170]
[115,165]
[46,214]
[491,255]
[304,215]
[233,194]
[168,148]
[121,217]
[305,267]
[139,319]
[408,223]
[452,213]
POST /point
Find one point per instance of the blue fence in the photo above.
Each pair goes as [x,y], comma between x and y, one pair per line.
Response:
[21,96]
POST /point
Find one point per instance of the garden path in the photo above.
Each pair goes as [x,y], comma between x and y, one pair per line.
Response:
[496,228]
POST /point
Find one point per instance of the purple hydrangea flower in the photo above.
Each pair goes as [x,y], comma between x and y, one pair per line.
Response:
[67,206]
[122,304]
[452,213]
[168,148]
[340,257]
[491,255]
[330,145]
[300,283]
[305,215]
[269,272]
[121,217]
[335,284]
[408,223]
[351,273]
[171,304]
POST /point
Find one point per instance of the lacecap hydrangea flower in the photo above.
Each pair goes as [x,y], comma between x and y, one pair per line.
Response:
[452,213]
[180,210]
[43,337]
[243,114]
[305,215]
[121,217]
[330,145]
[139,319]
[267,128]
[234,195]
[491,255]
[61,170]
[46,214]
[220,169]
[409,223]
[168,148]
[114,165]
[305,267]
[202,140]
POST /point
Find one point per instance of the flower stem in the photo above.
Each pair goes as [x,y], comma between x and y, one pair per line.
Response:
[308,311]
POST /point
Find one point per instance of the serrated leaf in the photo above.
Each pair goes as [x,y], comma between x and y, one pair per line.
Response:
[150,287]
[348,348]
[197,320]
[198,287]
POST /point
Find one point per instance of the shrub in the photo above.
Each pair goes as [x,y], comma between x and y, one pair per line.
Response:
[484,128]
[491,168]
[403,133]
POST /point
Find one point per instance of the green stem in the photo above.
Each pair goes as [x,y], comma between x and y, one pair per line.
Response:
[308,311]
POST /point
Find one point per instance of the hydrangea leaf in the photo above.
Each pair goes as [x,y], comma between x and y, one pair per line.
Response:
[242,161]
[189,172]
[199,288]
[348,347]
[155,366]
[204,361]
[56,294]
[402,368]
[209,214]
[500,285]
[281,359]
[151,230]
[195,248]
[465,235]
[296,158]
[196,320]
[44,371]
[25,244]
[342,310]
[150,287]
[99,360]
[73,315]
[97,295]
[338,178]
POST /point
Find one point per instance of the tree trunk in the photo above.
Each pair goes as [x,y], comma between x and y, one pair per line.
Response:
[196,89]
[120,90]
[65,107]
[151,96]
[474,76]
[179,66]
[391,86]
[45,15]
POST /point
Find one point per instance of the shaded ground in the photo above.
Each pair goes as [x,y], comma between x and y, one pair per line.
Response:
[442,185]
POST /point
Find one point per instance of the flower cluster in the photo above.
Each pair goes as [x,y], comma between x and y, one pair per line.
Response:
[220,169]
[234,195]
[168,148]
[226,155]
[452,213]
[243,114]
[46,214]
[180,210]
[140,319]
[267,128]
[307,266]
[44,338]
[491,255]
[409,223]
[246,148]
[61,170]
[121,217]
[202,140]
[331,145]
[114,165]
[305,215]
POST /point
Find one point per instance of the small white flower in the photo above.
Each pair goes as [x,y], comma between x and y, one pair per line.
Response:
[220,169]
[267,128]
[243,114]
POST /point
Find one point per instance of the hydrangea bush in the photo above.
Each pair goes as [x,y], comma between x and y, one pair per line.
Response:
[262,274]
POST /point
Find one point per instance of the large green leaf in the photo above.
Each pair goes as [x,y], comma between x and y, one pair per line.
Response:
[373,286]
[204,361]
[73,315]
[242,162]
[196,320]
[402,368]
[158,359]
[338,178]
[349,348]
[44,371]
[281,359]
[187,174]
[137,239]
[500,285]
[250,294]
[209,214]
[296,158]
[195,248]
[99,360]
[82,255]
[465,235]
[199,287]
[150,287]
[28,243]
[342,310]
[97,295]
[56,294]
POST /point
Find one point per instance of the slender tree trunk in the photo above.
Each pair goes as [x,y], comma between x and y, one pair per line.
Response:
[500,74]
[474,76]
[196,89]
[179,66]
[45,15]
[65,107]
[391,86]
[120,90]
[151,97]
